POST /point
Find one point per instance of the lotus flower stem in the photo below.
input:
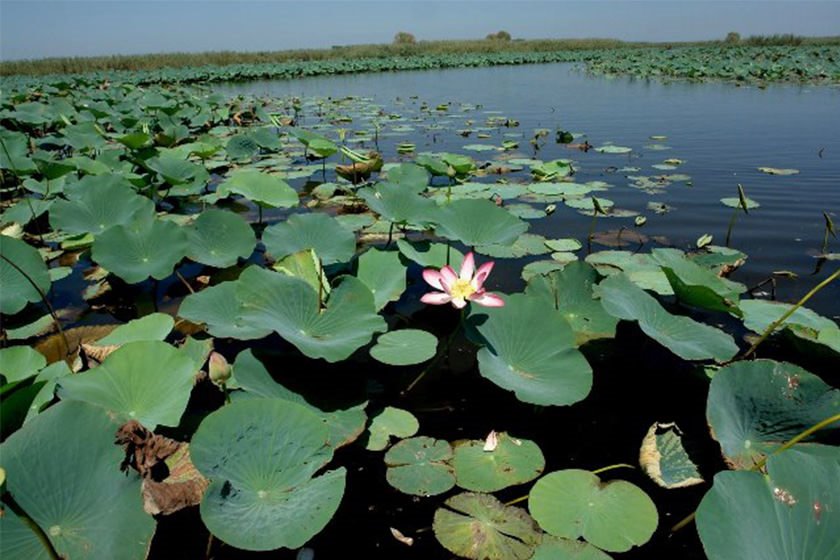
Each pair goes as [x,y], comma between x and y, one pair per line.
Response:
[778,322]
[611,467]
[732,221]
[444,350]
[29,522]
[46,301]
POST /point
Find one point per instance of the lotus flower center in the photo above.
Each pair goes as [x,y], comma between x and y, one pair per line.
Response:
[461,289]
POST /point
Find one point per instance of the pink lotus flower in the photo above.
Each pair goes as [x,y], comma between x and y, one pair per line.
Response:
[462,287]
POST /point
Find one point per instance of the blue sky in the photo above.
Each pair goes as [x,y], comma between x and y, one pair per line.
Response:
[41,28]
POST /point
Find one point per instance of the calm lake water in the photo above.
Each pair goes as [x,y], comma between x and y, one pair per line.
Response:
[721,131]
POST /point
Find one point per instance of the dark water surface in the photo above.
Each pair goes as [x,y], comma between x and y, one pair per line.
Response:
[723,132]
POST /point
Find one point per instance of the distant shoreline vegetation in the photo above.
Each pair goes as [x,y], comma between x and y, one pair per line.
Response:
[764,58]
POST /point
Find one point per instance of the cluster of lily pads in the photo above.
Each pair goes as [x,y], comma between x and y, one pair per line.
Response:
[203,221]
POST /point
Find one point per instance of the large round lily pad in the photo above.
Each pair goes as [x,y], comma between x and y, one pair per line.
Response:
[480,527]
[512,461]
[420,466]
[404,347]
[478,222]
[754,407]
[218,238]
[614,516]
[556,548]
[97,203]
[62,468]
[791,513]
[260,188]
[530,350]
[260,456]
[220,310]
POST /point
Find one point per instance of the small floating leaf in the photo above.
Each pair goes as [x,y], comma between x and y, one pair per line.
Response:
[777,171]
[664,459]
[404,347]
[420,466]
[513,461]
[390,422]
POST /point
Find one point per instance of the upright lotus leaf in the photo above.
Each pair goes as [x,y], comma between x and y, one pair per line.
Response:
[513,461]
[323,233]
[478,222]
[570,291]
[62,468]
[85,136]
[384,274]
[696,285]
[23,275]
[461,164]
[480,527]
[249,374]
[147,381]
[176,170]
[641,269]
[427,254]
[305,265]
[682,335]
[261,188]
[146,247]
[290,307]
[436,166]
[398,204]
[242,146]
[664,459]
[155,326]
[17,540]
[409,176]
[754,407]
[405,347]
[390,422]
[803,323]
[614,516]
[218,238]
[790,513]
[219,308]
[420,466]
[260,456]
[20,362]
[25,210]
[557,548]
[14,153]
[530,350]
[322,147]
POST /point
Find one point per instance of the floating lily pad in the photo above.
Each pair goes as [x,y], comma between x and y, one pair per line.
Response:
[404,347]
[480,527]
[682,335]
[531,351]
[320,232]
[424,253]
[664,459]
[563,245]
[478,222]
[218,238]
[23,275]
[610,149]
[526,244]
[641,269]
[754,407]
[735,202]
[85,505]
[260,456]
[398,203]
[147,381]
[777,171]
[614,516]
[513,461]
[557,548]
[221,311]
[791,512]
[390,422]
[420,466]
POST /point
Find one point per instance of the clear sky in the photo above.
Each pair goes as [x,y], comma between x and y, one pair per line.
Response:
[41,28]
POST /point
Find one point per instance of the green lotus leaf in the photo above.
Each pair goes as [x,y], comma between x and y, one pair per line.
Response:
[221,311]
[322,147]
[175,170]
[641,269]
[525,211]
[754,407]
[290,307]
[526,244]
[664,459]
[260,188]
[135,140]
[420,466]
[249,374]
[424,253]
[409,176]
[735,202]
[23,275]
[789,513]
[433,165]
[18,540]
[563,245]
[260,456]
[25,210]
[513,461]
[558,548]
[588,205]
[242,146]
[614,516]
[218,238]
[19,362]
[559,189]
[146,247]
[384,274]
[390,422]
[398,204]
[404,347]
[478,222]
[84,504]
[480,527]
[610,149]
[155,326]
[147,381]
[552,169]
[333,243]
[307,266]
[803,323]
[682,335]
[15,156]
[85,136]
[777,171]
[530,350]
[570,291]
[696,285]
